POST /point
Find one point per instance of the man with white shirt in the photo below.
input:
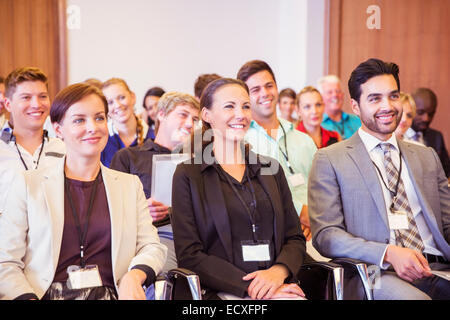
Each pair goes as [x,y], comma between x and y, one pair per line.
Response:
[277,138]
[24,144]
[383,200]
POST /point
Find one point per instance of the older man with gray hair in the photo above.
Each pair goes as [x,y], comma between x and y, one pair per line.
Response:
[334,119]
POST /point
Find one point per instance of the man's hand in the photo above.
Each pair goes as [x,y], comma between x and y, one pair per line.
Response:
[409,264]
[305,224]
[266,282]
[158,210]
[130,287]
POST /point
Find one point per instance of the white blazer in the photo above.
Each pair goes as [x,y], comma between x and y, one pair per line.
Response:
[31,229]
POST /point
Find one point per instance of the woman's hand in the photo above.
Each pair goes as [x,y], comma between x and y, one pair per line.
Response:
[288,290]
[130,287]
[158,210]
[265,283]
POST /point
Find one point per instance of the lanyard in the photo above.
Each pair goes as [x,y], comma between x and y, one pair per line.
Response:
[40,152]
[286,155]
[251,213]
[82,234]
[393,193]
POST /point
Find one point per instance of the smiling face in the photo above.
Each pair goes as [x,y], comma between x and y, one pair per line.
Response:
[29,105]
[120,102]
[407,119]
[310,108]
[230,113]
[287,106]
[151,105]
[84,128]
[263,95]
[178,124]
[379,108]
[333,97]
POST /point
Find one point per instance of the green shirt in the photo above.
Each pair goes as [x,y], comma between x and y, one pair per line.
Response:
[301,149]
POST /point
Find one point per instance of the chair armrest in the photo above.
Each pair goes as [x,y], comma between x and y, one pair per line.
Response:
[178,284]
[163,288]
[322,280]
[352,268]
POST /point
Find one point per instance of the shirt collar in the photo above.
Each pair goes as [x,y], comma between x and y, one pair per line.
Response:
[150,145]
[410,133]
[371,142]
[253,167]
[344,117]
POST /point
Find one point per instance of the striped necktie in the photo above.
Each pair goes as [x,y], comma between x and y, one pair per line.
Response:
[408,238]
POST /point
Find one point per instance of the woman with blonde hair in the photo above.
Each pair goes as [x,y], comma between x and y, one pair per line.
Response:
[125,128]
[409,112]
[310,108]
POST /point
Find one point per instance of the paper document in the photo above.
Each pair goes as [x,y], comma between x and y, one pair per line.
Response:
[443,274]
[229,296]
[163,168]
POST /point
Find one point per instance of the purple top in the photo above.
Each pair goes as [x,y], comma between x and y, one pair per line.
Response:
[98,239]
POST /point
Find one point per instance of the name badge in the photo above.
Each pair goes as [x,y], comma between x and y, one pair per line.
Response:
[398,220]
[296,179]
[81,278]
[255,251]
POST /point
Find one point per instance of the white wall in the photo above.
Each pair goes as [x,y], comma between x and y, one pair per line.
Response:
[170,42]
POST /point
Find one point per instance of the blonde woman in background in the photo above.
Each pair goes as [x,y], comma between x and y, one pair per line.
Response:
[409,112]
[310,108]
[125,128]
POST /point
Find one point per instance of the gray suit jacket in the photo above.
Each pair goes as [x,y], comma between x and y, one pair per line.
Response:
[346,204]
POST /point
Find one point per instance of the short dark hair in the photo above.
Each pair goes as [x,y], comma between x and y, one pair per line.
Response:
[71,95]
[426,92]
[367,70]
[202,81]
[23,74]
[287,92]
[252,67]
[2,80]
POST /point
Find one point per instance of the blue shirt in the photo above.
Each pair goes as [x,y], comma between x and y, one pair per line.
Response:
[348,125]
[301,149]
[114,144]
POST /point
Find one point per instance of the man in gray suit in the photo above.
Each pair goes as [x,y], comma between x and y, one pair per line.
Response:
[382,200]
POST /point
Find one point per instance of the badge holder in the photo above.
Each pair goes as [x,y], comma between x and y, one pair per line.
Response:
[82,278]
[398,220]
[255,251]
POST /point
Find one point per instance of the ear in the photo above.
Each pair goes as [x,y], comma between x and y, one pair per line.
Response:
[355,107]
[133,98]
[206,115]
[7,104]
[160,116]
[58,131]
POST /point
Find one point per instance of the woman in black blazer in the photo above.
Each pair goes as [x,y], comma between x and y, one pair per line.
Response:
[233,219]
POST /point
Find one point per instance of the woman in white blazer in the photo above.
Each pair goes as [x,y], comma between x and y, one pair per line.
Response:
[78,230]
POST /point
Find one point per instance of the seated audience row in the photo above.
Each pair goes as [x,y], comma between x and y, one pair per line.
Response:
[255,191]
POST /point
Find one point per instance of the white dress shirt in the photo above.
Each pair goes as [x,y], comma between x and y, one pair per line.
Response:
[376,154]
[10,160]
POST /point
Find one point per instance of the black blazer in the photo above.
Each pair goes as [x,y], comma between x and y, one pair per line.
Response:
[202,232]
[433,138]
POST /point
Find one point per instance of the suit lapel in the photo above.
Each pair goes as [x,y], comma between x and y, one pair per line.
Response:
[115,204]
[357,151]
[53,187]
[415,171]
[217,209]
